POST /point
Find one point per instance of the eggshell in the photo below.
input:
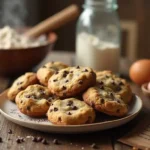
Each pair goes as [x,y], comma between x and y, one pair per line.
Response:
[140,71]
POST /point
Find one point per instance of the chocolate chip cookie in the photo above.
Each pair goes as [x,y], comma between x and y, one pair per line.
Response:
[20,84]
[45,72]
[70,111]
[103,99]
[34,100]
[71,81]
[118,85]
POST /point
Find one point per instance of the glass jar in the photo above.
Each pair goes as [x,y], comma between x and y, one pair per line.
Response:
[98,36]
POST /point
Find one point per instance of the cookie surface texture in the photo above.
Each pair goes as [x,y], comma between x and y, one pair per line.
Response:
[45,72]
[34,101]
[105,100]
[21,83]
[70,111]
[71,81]
[117,84]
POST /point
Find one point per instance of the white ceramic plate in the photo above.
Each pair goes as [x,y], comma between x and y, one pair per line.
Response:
[103,122]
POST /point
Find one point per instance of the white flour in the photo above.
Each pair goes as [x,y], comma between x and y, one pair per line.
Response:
[99,55]
[10,39]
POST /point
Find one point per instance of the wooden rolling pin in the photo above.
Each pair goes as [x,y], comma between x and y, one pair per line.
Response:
[54,22]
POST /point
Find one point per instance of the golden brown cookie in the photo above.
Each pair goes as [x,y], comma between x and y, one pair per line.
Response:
[34,100]
[71,81]
[20,84]
[70,111]
[45,72]
[105,100]
[118,85]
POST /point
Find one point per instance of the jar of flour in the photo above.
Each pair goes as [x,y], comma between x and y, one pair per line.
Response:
[98,36]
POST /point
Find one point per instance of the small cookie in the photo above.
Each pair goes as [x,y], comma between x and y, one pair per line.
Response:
[34,101]
[70,111]
[71,81]
[20,84]
[105,100]
[118,85]
[44,73]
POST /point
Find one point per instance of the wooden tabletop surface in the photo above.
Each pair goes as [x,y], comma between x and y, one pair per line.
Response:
[104,140]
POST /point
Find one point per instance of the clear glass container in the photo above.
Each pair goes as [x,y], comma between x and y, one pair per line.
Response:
[98,36]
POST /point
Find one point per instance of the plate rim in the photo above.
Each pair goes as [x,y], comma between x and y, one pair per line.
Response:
[71,126]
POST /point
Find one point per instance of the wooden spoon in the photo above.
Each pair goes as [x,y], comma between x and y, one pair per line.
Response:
[54,22]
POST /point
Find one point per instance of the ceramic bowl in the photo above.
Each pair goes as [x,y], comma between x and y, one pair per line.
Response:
[145,90]
[17,61]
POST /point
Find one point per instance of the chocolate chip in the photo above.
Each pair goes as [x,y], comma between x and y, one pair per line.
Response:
[71,71]
[74,108]
[78,67]
[44,141]
[34,139]
[113,83]
[59,119]
[121,83]
[44,67]
[56,72]
[85,70]
[101,83]
[70,103]
[55,80]
[107,76]
[118,101]
[55,109]
[18,140]
[69,113]
[1,140]
[80,81]
[67,81]
[64,88]
[21,139]
[52,62]
[41,92]
[94,146]
[102,101]
[47,103]
[20,88]
[118,89]
[39,139]
[65,73]
[10,131]
[55,141]
[21,101]
[28,108]
[112,95]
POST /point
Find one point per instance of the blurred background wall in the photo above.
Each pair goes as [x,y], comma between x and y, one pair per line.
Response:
[134,16]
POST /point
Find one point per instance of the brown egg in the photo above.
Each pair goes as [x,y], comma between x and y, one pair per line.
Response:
[140,71]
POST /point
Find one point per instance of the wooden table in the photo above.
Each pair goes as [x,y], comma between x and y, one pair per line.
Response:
[105,140]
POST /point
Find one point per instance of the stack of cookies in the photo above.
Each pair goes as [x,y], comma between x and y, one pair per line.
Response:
[70,95]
